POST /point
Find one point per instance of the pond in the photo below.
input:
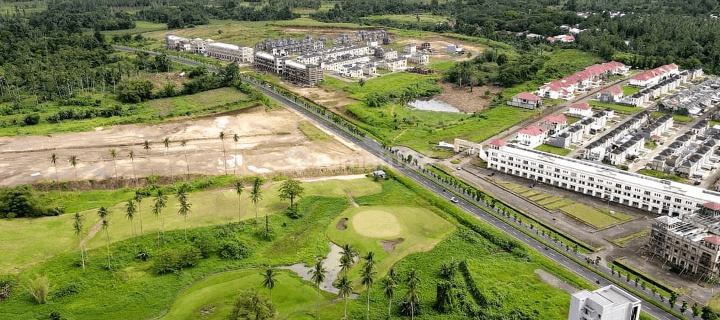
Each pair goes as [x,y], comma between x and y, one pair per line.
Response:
[331,264]
[433,104]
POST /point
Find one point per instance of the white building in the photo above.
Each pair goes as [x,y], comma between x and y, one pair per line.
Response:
[453,49]
[532,136]
[606,182]
[580,109]
[229,52]
[393,64]
[607,303]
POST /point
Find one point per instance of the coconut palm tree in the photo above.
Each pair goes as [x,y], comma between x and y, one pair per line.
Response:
[158,206]
[222,139]
[345,289]
[345,264]
[102,212]
[74,161]
[318,276]
[113,155]
[369,260]
[236,137]
[105,225]
[130,210]
[166,143]
[238,190]
[183,205]
[389,291]
[413,294]
[131,155]
[367,278]
[269,279]
[256,195]
[348,258]
[183,143]
[146,147]
[138,199]
[77,226]
[53,160]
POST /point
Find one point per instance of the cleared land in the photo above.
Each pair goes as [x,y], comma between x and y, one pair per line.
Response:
[624,240]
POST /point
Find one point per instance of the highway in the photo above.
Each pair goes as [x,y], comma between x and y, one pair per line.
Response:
[552,251]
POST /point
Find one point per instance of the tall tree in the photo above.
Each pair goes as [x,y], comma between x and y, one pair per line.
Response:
[222,139]
[183,205]
[236,137]
[256,195]
[147,147]
[78,227]
[138,199]
[348,258]
[291,189]
[252,305]
[73,162]
[413,294]
[131,155]
[269,279]
[318,276]
[130,210]
[158,206]
[389,291]
[166,143]
[53,160]
[183,144]
[105,226]
[367,278]
[238,190]
[113,155]
[345,290]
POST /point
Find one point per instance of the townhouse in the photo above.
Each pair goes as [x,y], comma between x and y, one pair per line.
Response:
[591,77]
[609,303]
[580,109]
[652,77]
[531,136]
[229,52]
[525,100]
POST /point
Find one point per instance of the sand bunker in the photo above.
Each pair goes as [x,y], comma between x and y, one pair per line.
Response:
[341,224]
[376,224]
[389,245]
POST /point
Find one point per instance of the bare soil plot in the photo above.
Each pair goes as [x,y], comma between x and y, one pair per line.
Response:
[468,101]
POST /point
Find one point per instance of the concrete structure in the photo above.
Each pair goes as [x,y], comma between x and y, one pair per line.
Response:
[532,136]
[229,52]
[580,109]
[453,49]
[597,180]
[607,303]
[393,64]
[301,73]
[525,100]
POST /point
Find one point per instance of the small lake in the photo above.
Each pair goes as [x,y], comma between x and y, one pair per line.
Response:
[433,104]
[331,263]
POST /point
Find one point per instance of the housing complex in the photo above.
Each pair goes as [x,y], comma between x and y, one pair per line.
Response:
[592,77]
[209,48]
[610,303]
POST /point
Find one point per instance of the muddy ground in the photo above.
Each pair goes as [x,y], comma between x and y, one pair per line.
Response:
[468,101]
[270,141]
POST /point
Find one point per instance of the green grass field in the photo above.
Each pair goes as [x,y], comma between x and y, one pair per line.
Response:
[312,132]
[27,247]
[408,18]
[616,107]
[624,240]
[628,90]
[421,230]
[596,218]
[663,175]
[553,149]
[140,27]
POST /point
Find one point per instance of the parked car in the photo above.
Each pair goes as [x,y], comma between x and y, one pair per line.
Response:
[454,200]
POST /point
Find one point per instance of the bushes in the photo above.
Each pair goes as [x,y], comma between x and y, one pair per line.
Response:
[173,261]
[23,202]
[6,285]
[39,288]
[135,91]
[234,249]
[67,291]
[31,119]
[477,295]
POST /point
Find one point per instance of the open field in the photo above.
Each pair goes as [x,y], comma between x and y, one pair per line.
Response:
[408,18]
[29,241]
[368,226]
[269,141]
[140,27]
[624,240]
[616,107]
[553,149]
[628,90]
[596,218]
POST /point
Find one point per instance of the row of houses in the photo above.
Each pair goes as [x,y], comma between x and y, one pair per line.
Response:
[290,46]
[582,81]
[574,133]
[690,153]
[598,180]
[308,74]
[694,100]
[601,148]
[654,76]
[648,94]
[375,35]
[210,48]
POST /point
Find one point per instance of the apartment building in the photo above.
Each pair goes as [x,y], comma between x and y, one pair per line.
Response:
[597,180]
[607,303]
[268,62]
[297,72]
[229,52]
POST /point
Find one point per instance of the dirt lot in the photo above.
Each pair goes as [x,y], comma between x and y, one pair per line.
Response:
[269,142]
[439,44]
[335,100]
[465,100]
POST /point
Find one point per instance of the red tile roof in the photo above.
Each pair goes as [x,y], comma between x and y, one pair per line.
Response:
[655,137]
[569,38]
[533,130]
[614,90]
[527,96]
[712,206]
[581,106]
[644,76]
[714,240]
[555,119]
[497,143]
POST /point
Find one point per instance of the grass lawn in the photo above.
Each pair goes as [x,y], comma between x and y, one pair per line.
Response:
[539,197]
[549,200]
[558,204]
[663,175]
[26,246]
[676,117]
[616,107]
[291,296]
[591,216]
[571,119]
[628,90]
[408,18]
[312,132]
[140,27]
[624,240]
[420,228]
[553,149]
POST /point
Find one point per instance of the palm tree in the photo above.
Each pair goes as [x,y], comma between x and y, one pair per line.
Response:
[183,206]
[146,147]
[269,280]
[183,143]
[77,226]
[53,160]
[74,161]
[318,276]
[389,291]
[256,195]
[102,212]
[345,264]
[345,289]
[130,210]
[413,295]
[238,190]
[113,155]
[166,142]
[367,278]
[160,203]
[138,199]
[236,137]
[131,155]
[369,260]
[348,257]
[105,225]
[222,138]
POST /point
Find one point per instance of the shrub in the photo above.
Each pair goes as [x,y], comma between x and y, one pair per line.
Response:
[293,212]
[406,310]
[142,255]
[234,249]
[31,119]
[6,285]
[67,291]
[39,288]
[173,261]
[204,243]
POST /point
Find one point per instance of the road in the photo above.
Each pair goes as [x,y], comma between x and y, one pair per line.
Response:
[552,251]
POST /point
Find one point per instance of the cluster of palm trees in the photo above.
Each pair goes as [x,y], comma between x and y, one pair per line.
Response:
[147,146]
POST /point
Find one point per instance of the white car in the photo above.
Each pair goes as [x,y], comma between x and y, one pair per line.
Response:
[454,200]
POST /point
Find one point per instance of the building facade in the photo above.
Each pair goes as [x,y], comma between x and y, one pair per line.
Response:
[607,303]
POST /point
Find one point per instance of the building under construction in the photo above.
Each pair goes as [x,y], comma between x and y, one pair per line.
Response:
[296,72]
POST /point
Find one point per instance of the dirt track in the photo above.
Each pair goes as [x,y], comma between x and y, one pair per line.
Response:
[269,142]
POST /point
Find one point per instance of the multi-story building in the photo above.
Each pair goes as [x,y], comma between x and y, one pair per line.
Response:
[531,136]
[173,42]
[597,180]
[268,62]
[525,100]
[297,72]
[229,52]
[607,303]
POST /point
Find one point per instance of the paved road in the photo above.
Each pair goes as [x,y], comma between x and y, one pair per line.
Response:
[373,147]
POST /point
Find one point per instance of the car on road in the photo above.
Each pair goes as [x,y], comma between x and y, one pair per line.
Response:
[454,200]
